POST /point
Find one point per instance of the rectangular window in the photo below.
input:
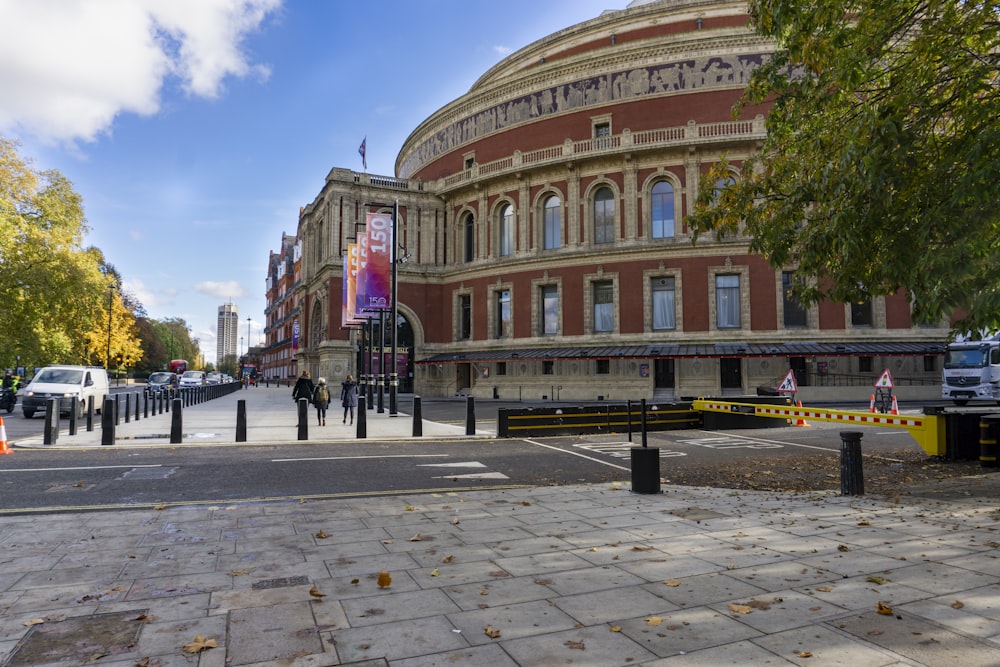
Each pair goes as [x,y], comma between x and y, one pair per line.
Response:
[553,224]
[864,364]
[550,310]
[861,313]
[604,307]
[727,301]
[466,307]
[663,304]
[930,364]
[507,231]
[795,314]
[503,314]
[603,366]
[501,368]
[548,367]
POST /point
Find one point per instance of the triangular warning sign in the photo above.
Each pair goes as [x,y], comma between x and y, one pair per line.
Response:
[884,381]
[788,384]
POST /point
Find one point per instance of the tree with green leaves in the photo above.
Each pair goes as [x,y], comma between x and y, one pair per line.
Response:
[882,155]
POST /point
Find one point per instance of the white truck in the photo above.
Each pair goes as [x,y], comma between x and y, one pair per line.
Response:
[972,370]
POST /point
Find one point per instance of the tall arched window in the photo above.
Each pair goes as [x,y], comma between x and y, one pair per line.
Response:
[552,226]
[470,237]
[604,216]
[662,207]
[507,231]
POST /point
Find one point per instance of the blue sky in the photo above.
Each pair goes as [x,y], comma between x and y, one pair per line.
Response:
[195,129]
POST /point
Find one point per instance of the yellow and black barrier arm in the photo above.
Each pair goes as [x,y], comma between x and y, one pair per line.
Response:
[927,430]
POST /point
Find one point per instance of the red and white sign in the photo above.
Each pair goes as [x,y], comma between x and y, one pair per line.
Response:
[884,381]
[788,384]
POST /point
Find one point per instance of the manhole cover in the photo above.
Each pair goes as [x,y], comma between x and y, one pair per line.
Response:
[79,640]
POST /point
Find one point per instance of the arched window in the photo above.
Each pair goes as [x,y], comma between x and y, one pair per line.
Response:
[507,231]
[662,207]
[470,237]
[552,225]
[604,216]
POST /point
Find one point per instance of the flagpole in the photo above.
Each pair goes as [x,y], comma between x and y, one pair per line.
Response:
[393,375]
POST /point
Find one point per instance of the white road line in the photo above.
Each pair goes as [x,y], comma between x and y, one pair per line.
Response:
[349,458]
[582,456]
[476,475]
[154,465]
[467,464]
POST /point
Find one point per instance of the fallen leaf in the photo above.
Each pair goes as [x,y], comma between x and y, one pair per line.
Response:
[384,579]
[957,604]
[355,581]
[484,591]
[615,628]
[315,592]
[491,632]
[448,558]
[200,644]
[161,506]
[824,589]
[876,580]
[883,608]
[526,503]
[242,571]
[739,608]
[673,583]
[864,523]
[654,620]
[759,604]
[416,538]
[843,547]
[409,508]
[455,521]
[34,621]
[804,654]
[321,535]
[435,572]
[577,645]
[639,547]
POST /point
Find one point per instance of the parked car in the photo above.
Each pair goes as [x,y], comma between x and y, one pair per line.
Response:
[192,379]
[161,381]
[213,378]
[72,385]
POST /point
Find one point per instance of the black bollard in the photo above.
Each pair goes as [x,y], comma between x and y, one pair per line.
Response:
[629,404]
[470,415]
[118,403]
[989,425]
[241,420]
[303,419]
[645,462]
[137,407]
[418,422]
[362,430]
[642,407]
[72,417]
[51,421]
[852,481]
[145,405]
[108,422]
[177,423]
[128,408]
[90,413]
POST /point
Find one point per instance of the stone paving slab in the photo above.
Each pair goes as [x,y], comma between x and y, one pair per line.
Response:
[588,574]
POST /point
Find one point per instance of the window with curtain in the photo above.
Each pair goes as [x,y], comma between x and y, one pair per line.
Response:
[503,313]
[506,230]
[470,237]
[661,206]
[604,216]
[727,301]
[795,314]
[550,310]
[604,307]
[465,306]
[663,304]
[552,225]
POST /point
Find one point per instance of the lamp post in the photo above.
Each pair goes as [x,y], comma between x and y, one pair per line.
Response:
[393,376]
[248,335]
[111,297]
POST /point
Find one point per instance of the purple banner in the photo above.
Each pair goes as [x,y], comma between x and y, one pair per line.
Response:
[378,269]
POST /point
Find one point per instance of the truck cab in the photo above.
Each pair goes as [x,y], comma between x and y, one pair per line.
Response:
[972,371]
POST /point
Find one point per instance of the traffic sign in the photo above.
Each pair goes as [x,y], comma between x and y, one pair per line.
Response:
[884,381]
[788,384]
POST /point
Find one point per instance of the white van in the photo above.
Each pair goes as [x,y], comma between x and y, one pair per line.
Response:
[72,385]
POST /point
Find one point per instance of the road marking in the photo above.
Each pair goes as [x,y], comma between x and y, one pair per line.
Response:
[154,465]
[622,450]
[476,475]
[467,464]
[582,456]
[349,458]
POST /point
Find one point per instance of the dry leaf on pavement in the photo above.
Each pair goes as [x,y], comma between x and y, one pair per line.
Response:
[416,538]
[315,592]
[491,632]
[577,645]
[654,620]
[200,644]
[883,608]
[957,604]
[673,583]
[740,608]
[384,579]
[321,535]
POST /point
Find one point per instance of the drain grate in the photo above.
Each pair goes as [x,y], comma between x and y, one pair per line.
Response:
[281,582]
[79,640]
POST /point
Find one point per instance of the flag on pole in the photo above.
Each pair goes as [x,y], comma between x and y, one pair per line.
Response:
[361,152]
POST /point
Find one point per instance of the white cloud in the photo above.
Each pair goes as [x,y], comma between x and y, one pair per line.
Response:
[502,50]
[147,297]
[69,67]
[135,235]
[223,290]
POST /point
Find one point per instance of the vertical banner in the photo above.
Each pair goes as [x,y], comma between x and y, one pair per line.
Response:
[378,270]
[348,292]
[295,335]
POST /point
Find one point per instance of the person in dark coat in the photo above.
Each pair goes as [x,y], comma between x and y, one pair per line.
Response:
[303,388]
[349,397]
[321,399]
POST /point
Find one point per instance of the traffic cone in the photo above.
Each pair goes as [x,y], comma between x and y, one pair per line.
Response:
[871,405]
[800,421]
[895,407]
[3,439]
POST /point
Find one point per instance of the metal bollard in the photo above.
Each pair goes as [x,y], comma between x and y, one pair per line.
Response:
[108,422]
[362,430]
[470,415]
[241,420]
[989,425]
[303,419]
[72,417]
[137,407]
[90,413]
[852,481]
[128,408]
[418,422]
[51,434]
[645,462]
[145,405]
[177,423]
[118,403]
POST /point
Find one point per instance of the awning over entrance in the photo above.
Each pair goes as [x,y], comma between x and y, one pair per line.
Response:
[682,351]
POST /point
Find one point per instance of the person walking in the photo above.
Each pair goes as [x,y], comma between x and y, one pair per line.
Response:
[349,397]
[304,388]
[321,399]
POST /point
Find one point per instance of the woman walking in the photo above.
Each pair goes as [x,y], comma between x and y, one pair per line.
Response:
[321,399]
[303,388]
[349,397]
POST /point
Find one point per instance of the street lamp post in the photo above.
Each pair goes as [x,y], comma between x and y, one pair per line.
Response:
[248,335]
[111,297]
[393,376]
